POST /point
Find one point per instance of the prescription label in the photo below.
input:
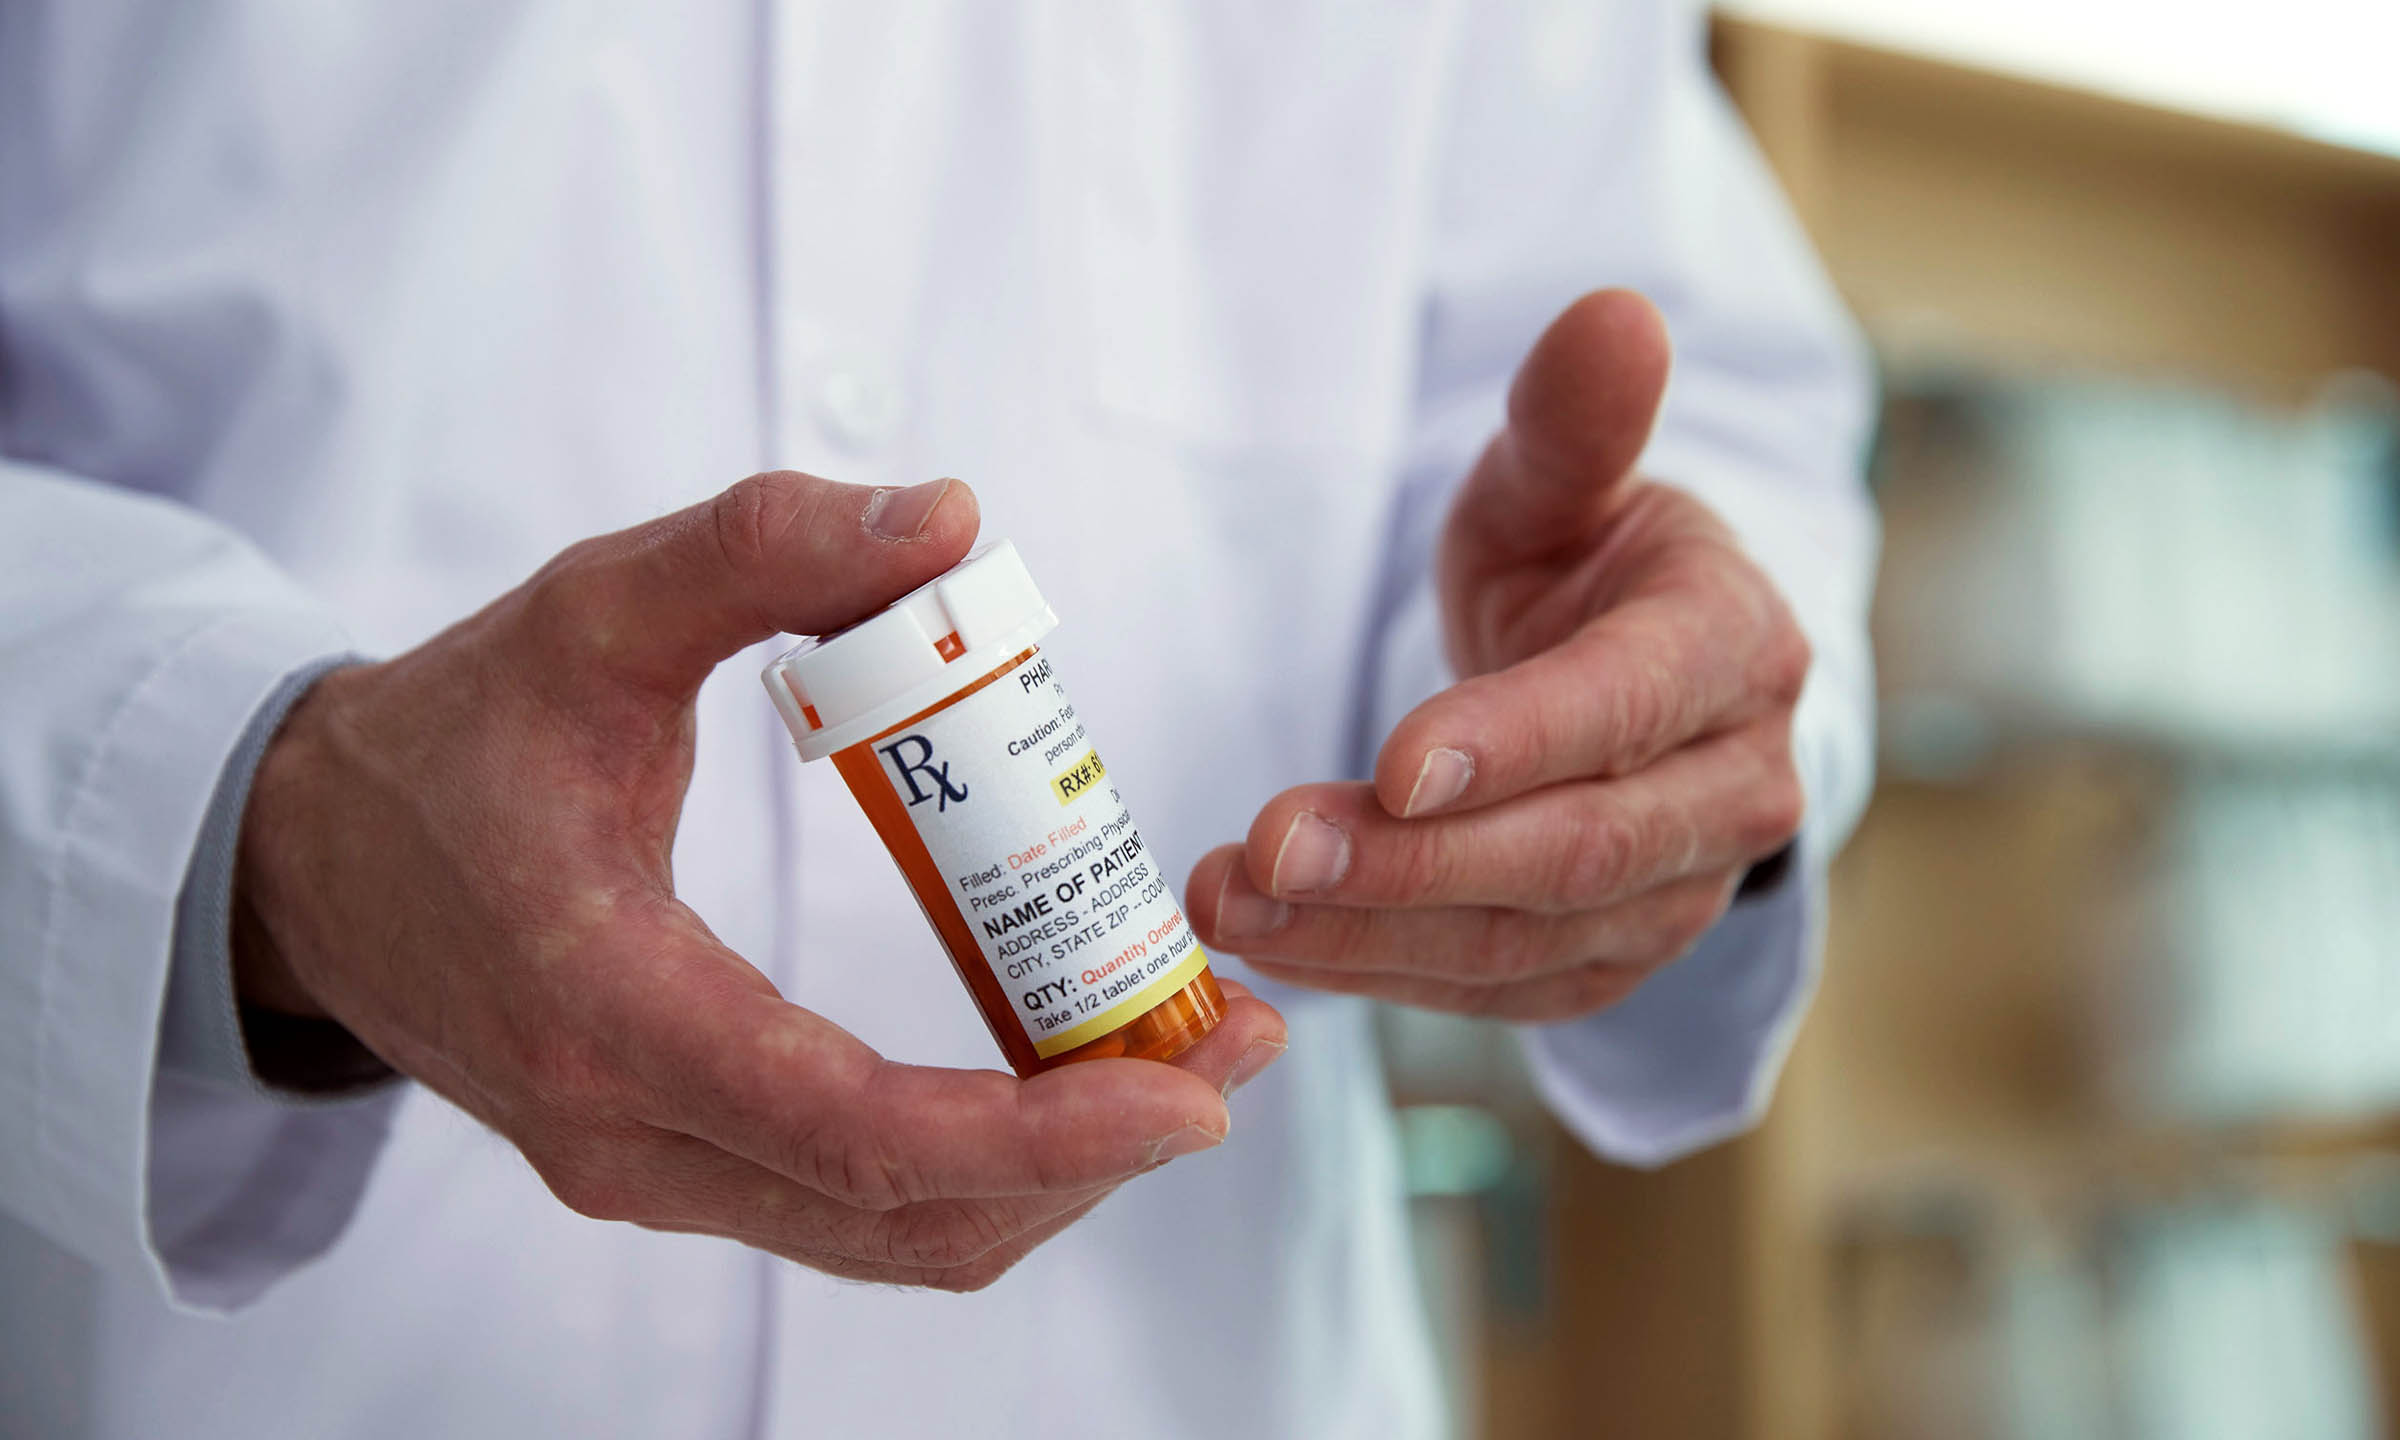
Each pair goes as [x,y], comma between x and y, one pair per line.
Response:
[1074,915]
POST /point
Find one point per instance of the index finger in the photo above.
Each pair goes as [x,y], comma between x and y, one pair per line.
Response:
[1631,684]
[1580,412]
[792,1091]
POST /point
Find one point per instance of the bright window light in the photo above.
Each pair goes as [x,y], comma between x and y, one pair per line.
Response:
[2320,67]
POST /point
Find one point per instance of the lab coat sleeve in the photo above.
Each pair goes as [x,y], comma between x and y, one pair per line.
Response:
[1590,147]
[138,642]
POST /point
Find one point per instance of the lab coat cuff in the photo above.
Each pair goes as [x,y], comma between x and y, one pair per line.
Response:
[144,785]
[247,1187]
[1691,1058]
[247,1179]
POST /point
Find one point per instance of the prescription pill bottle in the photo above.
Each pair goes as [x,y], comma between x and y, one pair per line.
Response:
[947,722]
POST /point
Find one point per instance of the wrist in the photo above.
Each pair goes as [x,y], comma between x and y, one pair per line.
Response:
[286,794]
[292,1042]
[262,978]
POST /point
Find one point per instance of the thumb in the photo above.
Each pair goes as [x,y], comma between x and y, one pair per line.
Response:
[659,605]
[1579,414]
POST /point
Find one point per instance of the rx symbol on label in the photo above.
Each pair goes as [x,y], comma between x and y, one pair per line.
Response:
[921,764]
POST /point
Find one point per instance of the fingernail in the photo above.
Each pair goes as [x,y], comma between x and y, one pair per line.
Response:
[901,514]
[1243,913]
[1184,1142]
[1259,1056]
[1441,779]
[1314,856]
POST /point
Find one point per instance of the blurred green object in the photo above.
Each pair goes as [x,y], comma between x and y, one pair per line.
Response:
[1457,1150]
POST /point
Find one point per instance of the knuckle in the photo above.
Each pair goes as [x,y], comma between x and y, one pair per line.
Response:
[1787,808]
[1508,1004]
[1336,938]
[739,516]
[1592,858]
[1331,980]
[1580,992]
[851,1166]
[1052,1168]
[1777,810]
[1515,946]
[1484,1002]
[1689,918]
[810,1151]
[1424,862]
[558,604]
[591,1185]
[819,1141]
[1597,987]
[845,1153]
[752,516]
[967,1279]
[1640,708]
[1785,660]
[936,1237]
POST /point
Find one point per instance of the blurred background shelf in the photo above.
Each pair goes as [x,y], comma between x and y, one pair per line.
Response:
[2095,1128]
[1988,219]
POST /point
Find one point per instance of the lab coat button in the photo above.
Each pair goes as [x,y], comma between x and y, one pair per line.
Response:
[859,410]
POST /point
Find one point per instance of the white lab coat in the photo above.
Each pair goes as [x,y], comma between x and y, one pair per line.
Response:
[320,325]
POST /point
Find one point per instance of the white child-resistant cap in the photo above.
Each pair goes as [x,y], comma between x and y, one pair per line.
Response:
[838,689]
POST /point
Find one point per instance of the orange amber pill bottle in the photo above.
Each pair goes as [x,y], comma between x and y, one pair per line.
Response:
[945,719]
